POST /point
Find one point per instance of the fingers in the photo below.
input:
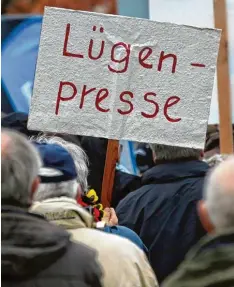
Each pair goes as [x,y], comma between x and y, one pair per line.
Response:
[107,215]
[110,217]
[113,217]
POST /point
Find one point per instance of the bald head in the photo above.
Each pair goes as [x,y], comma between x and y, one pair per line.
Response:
[19,167]
[219,195]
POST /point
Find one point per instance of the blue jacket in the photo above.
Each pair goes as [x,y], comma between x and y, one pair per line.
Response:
[163,212]
[126,233]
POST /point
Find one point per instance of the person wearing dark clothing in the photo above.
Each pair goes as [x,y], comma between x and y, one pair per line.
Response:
[144,157]
[163,211]
[211,262]
[35,252]
[124,183]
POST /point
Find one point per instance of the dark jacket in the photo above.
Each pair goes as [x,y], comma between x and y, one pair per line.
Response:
[37,253]
[124,183]
[163,212]
[209,264]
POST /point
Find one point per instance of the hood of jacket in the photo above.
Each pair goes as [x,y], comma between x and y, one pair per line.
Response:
[175,171]
[29,243]
[63,211]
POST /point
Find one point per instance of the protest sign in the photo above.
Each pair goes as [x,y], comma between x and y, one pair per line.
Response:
[123,78]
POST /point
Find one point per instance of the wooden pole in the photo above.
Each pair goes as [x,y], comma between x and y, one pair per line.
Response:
[224,93]
[112,156]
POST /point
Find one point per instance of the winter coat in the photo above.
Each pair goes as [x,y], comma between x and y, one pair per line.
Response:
[163,212]
[124,183]
[124,264]
[37,253]
[209,264]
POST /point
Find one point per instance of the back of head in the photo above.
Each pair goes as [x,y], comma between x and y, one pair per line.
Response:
[174,153]
[219,195]
[20,166]
[79,157]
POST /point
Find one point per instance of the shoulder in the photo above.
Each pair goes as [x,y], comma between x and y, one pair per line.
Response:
[128,260]
[82,254]
[105,242]
[135,197]
[79,263]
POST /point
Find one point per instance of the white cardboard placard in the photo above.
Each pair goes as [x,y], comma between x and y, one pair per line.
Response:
[123,78]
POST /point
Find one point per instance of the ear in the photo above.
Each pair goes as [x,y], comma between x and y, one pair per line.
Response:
[79,192]
[204,217]
[34,188]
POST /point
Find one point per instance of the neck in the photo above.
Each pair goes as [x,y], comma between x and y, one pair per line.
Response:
[163,161]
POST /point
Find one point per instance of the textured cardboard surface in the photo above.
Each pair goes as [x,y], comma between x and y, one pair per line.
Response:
[193,85]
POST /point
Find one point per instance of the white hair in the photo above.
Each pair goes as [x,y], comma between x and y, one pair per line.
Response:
[20,166]
[77,153]
[219,195]
[51,190]
[171,153]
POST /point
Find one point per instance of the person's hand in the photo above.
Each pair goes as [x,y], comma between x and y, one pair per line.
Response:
[110,217]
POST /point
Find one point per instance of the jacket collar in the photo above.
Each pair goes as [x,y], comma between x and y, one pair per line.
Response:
[63,211]
[14,210]
[213,242]
[174,171]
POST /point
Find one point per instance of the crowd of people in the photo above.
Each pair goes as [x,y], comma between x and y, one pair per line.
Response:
[172,225]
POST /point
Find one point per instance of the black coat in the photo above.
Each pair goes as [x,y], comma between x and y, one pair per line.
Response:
[124,183]
[163,212]
[37,253]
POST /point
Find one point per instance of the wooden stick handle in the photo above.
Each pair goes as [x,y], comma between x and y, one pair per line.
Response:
[224,93]
[112,156]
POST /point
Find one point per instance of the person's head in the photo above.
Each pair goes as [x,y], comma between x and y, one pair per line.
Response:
[76,152]
[174,153]
[216,209]
[20,166]
[58,176]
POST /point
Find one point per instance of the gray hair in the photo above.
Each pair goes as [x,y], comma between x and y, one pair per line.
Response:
[219,195]
[171,153]
[20,166]
[77,153]
[51,190]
